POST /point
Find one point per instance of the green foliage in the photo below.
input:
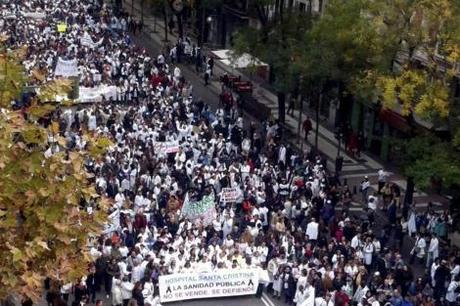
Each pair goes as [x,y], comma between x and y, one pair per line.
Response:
[11,76]
[427,157]
[369,47]
[278,43]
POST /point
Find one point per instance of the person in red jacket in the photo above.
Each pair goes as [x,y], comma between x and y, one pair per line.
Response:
[247,206]
[341,298]
[140,221]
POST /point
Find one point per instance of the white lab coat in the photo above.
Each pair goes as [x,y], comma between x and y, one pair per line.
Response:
[368,252]
[312,230]
[434,248]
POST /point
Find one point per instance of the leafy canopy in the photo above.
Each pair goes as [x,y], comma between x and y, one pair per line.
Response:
[43,200]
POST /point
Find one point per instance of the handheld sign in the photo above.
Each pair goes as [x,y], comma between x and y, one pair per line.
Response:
[61,27]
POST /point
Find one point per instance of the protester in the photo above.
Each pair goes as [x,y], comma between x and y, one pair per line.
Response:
[268,207]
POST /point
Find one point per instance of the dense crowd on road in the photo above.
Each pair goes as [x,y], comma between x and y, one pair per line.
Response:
[291,218]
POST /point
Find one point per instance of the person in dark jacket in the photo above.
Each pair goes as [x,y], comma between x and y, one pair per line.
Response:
[137,294]
[289,286]
[441,275]
[91,284]
[112,270]
[101,266]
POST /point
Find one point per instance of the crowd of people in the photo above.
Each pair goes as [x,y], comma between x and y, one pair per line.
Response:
[169,144]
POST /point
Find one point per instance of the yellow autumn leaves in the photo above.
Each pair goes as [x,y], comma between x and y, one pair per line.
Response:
[414,91]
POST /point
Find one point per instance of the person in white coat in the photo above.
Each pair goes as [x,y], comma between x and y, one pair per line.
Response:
[368,252]
[277,282]
[453,291]
[126,290]
[356,242]
[282,155]
[327,300]
[433,250]
[312,229]
[419,249]
[227,226]
[301,295]
[117,299]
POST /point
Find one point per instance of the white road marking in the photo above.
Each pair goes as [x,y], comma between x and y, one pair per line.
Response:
[267,300]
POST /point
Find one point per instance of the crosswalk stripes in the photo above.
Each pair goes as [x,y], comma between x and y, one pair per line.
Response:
[420,207]
[420,198]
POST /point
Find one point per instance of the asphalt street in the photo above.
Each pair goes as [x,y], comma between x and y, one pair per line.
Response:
[230,301]
[210,95]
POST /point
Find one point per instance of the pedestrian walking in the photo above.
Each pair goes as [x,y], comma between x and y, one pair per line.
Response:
[291,106]
[382,179]
[207,75]
[364,188]
[418,250]
[307,127]
[210,63]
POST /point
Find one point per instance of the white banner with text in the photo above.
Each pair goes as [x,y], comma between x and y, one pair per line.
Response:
[186,286]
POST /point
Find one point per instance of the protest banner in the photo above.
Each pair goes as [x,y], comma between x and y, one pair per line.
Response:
[201,211]
[87,41]
[166,147]
[95,94]
[229,195]
[34,15]
[66,68]
[226,282]
[113,222]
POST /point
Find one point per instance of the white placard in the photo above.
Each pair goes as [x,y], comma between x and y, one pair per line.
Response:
[34,15]
[95,94]
[166,147]
[87,41]
[187,286]
[229,195]
[66,68]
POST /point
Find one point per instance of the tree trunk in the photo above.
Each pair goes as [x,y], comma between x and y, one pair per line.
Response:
[277,7]
[310,9]
[142,11]
[154,22]
[180,25]
[318,105]
[281,106]
[281,10]
[410,187]
[408,197]
[223,28]
[299,123]
[165,16]
[203,21]
[132,7]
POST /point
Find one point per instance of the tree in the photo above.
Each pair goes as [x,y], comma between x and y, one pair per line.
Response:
[278,42]
[424,67]
[199,10]
[336,50]
[428,160]
[161,6]
[420,81]
[45,198]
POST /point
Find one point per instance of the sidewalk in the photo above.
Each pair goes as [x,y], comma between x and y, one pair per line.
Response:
[353,170]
